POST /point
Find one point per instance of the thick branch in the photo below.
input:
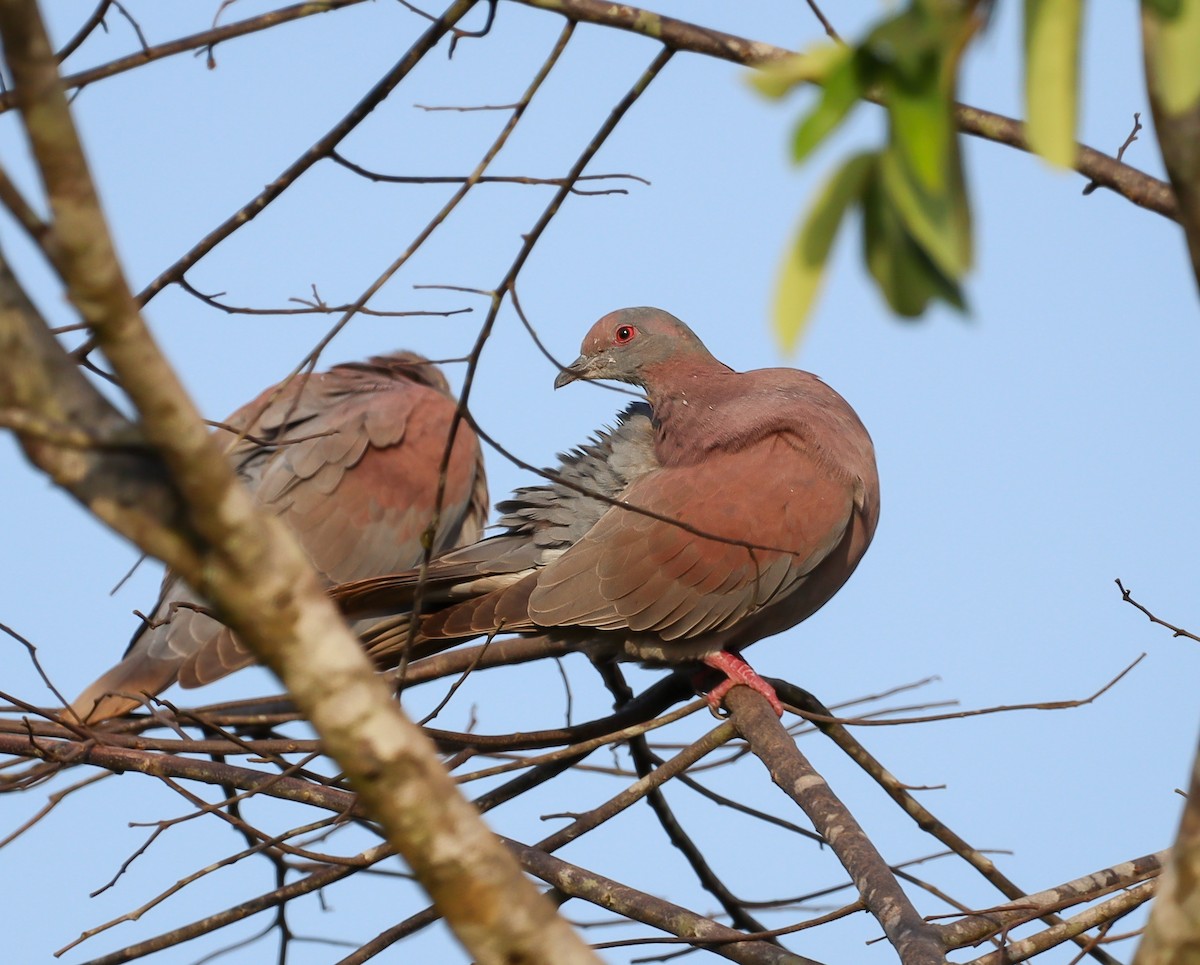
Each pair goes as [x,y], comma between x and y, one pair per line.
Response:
[129,490]
[916,942]
[630,903]
[260,582]
[974,928]
[1172,935]
[1073,928]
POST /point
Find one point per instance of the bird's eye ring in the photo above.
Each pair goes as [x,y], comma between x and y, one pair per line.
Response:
[624,333]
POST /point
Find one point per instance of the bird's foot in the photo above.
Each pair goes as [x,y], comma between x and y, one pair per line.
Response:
[737,671]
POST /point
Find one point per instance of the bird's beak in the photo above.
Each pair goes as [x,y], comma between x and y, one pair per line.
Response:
[579,369]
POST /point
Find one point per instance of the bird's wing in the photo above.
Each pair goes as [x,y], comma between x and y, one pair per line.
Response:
[350,460]
[354,473]
[485,587]
[695,574]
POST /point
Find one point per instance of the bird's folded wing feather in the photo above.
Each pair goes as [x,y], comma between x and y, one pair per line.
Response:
[483,588]
[714,561]
[351,460]
[379,452]
[540,523]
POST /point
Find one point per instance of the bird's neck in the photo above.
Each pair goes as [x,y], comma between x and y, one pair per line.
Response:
[690,414]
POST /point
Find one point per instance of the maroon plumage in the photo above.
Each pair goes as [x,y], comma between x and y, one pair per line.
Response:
[748,499]
[349,459]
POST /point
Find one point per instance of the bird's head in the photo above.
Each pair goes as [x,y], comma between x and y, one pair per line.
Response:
[632,344]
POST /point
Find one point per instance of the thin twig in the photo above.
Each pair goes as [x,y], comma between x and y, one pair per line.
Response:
[1175,631]
[1133,136]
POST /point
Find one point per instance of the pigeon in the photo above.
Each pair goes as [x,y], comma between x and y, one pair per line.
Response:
[350,460]
[728,507]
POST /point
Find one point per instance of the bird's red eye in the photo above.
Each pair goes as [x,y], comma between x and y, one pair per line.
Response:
[624,334]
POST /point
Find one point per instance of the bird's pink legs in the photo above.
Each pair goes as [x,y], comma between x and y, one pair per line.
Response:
[737,671]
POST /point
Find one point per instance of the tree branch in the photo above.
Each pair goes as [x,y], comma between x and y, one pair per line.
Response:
[1072,928]
[1134,185]
[924,818]
[916,942]
[639,906]
[1172,937]
[318,151]
[976,927]
[197,41]
[258,579]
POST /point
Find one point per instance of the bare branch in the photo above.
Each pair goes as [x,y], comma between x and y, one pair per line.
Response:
[1091,186]
[486,179]
[318,151]
[272,899]
[645,763]
[1127,596]
[924,818]
[200,41]
[824,21]
[258,578]
[630,903]
[971,930]
[94,20]
[916,942]
[1072,928]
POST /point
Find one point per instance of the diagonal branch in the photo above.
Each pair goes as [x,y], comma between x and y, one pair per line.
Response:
[924,818]
[645,763]
[978,926]
[318,151]
[197,41]
[1072,928]
[256,575]
[319,879]
[639,906]
[916,942]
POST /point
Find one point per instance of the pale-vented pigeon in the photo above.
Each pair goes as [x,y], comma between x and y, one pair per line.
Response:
[745,501]
[349,459]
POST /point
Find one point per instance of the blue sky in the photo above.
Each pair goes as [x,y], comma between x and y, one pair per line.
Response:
[1030,452]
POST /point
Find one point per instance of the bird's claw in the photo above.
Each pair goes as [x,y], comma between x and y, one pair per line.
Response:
[737,671]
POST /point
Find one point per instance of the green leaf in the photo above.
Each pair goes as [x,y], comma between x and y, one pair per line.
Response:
[938,221]
[905,44]
[804,264]
[917,221]
[810,67]
[1173,57]
[907,277]
[1052,77]
[1164,8]
[843,87]
[922,130]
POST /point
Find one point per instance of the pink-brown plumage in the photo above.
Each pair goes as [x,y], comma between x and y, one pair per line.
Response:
[350,460]
[747,500]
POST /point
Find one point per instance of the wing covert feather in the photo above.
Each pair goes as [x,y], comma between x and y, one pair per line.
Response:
[634,571]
